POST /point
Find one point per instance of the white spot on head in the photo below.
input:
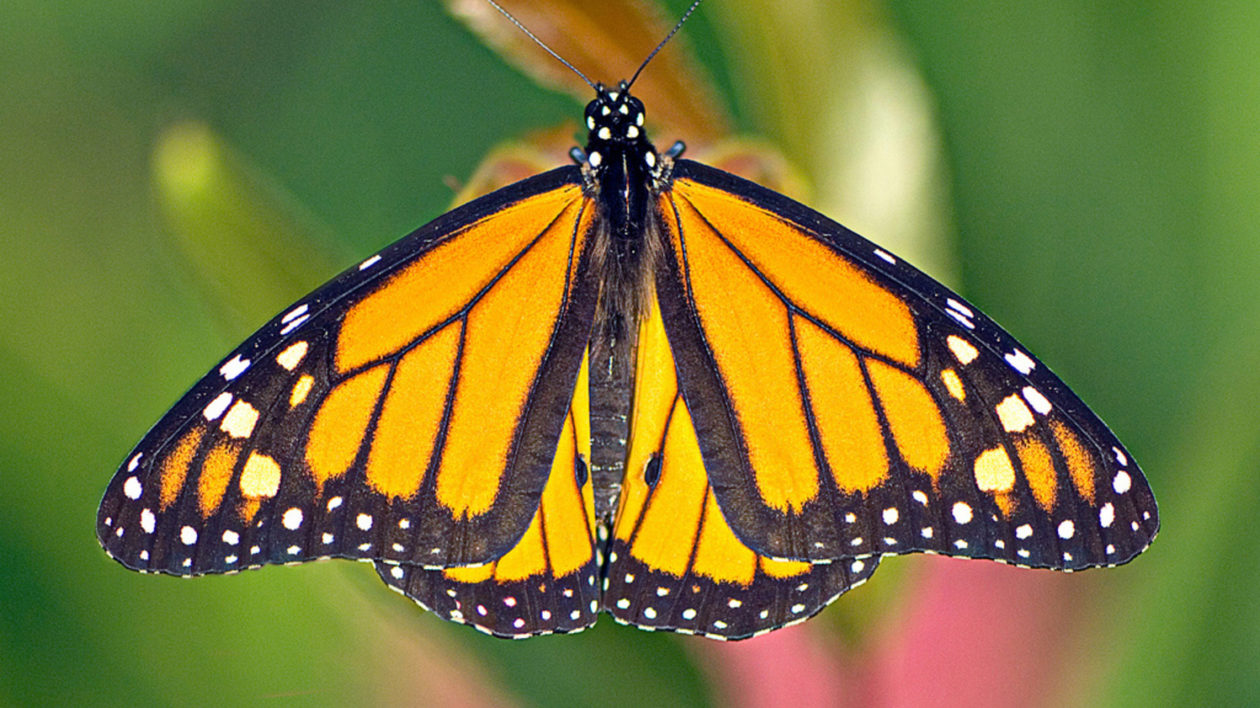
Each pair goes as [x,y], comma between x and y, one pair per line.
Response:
[215,408]
[594,159]
[369,262]
[604,133]
[614,95]
[689,613]
[1036,400]
[962,512]
[963,350]
[926,532]
[148,521]
[233,367]
[1122,482]
[590,122]
[134,462]
[1013,414]
[1106,515]
[891,515]
[292,355]
[363,521]
[240,420]
[1120,458]
[1067,529]
[887,257]
[649,612]
[188,535]
[292,519]
[1024,531]
[132,488]
[632,132]
[334,503]
[1020,362]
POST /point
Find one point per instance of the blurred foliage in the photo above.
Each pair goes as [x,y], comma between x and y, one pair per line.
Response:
[1099,192]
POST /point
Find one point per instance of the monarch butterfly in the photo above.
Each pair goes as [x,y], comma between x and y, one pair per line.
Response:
[635,384]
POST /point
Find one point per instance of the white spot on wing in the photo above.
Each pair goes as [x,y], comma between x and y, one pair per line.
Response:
[298,322]
[1106,515]
[216,407]
[887,257]
[292,519]
[1038,402]
[962,512]
[1122,482]
[132,488]
[135,462]
[965,352]
[234,367]
[231,537]
[295,312]
[148,521]
[1067,529]
[188,535]
[1020,362]
[240,420]
[891,515]
[292,355]
[1013,414]
[364,522]
[1120,458]
[369,262]
[1024,531]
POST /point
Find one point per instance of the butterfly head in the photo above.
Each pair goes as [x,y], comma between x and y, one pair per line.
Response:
[614,119]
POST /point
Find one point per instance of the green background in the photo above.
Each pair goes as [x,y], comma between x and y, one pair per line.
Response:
[1102,172]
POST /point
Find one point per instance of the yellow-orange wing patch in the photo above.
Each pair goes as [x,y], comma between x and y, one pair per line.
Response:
[406,411]
[674,561]
[846,405]
[547,582]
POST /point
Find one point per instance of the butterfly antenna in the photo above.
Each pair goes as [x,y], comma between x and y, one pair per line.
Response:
[540,43]
[665,41]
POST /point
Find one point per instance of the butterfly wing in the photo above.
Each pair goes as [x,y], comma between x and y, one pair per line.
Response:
[547,582]
[407,411]
[674,562]
[847,405]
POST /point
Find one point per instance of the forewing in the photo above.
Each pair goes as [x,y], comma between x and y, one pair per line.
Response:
[848,405]
[675,563]
[407,411]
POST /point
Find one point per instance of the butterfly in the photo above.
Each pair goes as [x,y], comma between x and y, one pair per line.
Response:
[635,384]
